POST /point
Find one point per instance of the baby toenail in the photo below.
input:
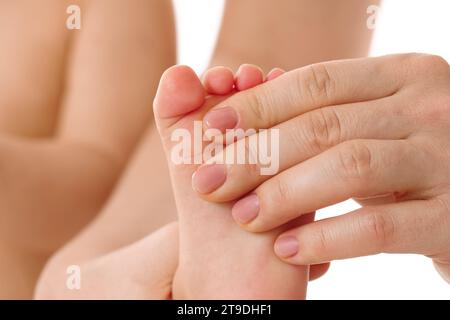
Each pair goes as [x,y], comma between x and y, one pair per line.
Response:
[286,246]
[246,210]
[221,119]
[208,178]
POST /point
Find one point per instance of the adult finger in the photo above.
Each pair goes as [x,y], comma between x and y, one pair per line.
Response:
[356,168]
[309,88]
[299,139]
[419,226]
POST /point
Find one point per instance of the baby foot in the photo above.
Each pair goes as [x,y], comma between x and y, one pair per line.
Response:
[217,259]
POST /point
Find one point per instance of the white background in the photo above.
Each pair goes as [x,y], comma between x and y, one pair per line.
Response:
[402,26]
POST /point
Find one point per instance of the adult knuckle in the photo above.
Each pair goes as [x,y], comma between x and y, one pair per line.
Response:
[322,129]
[249,157]
[260,107]
[438,220]
[434,62]
[443,206]
[280,194]
[355,160]
[443,216]
[317,82]
[428,64]
[298,137]
[380,229]
[409,57]
[319,246]
[430,108]
[253,103]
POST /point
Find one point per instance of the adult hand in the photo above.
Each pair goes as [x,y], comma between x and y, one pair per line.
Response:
[377,129]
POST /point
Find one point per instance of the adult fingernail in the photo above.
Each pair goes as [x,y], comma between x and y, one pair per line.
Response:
[221,119]
[286,247]
[208,178]
[246,209]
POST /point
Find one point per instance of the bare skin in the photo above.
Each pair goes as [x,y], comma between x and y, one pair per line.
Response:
[311,31]
[108,233]
[396,166]
[234,264]
[291,33]
[105,108]
[34,47]
[134,211]
[261,278]
[142,270]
